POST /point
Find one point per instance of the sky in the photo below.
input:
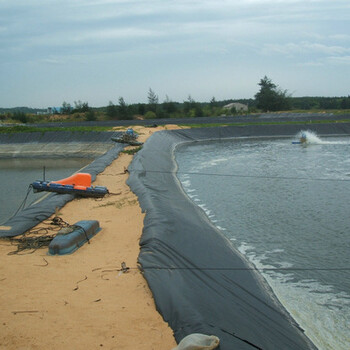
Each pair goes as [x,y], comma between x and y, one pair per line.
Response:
[95,51]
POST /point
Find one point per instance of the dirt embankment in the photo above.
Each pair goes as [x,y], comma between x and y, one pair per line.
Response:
[83,300]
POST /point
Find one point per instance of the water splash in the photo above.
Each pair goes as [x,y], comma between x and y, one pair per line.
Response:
[310,137]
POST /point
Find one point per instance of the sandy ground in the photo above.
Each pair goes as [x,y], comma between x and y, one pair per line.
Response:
[83,300]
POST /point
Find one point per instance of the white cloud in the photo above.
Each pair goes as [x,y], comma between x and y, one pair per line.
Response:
[340,37]
[326,49]
[116,33]
[304,47]
[344,60]
[311,64]
[193,37]
[53,60]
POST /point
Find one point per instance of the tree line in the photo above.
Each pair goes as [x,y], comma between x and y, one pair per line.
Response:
[269,98]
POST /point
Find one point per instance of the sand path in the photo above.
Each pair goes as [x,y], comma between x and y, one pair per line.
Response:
[82,301]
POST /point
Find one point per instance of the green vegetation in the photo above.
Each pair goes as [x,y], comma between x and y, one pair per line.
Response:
[286,122]
[24,128]
[269,98]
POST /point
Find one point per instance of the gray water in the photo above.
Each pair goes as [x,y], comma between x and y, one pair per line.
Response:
[17,174]
[285,207]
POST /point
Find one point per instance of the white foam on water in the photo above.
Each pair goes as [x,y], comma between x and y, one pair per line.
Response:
[245,247]
[192,196]
[275,251]
[313,139]
[186,183]
[209,163]
[317,308]
[204,208]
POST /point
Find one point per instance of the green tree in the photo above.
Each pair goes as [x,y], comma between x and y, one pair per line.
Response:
[213,103]
[20,116]
[123,109]
[189,105]
[152,101]
[141,108]
[66,108]
[80,107]
[270,97]
[169,106]
[198,111]
[233,110]
[345,103]
[90,115]
[329,103]
[111,111]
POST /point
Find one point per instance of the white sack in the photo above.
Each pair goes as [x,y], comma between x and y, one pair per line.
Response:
[198,341]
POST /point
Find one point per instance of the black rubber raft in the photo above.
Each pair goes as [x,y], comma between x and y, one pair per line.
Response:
[34,214]
[200,283]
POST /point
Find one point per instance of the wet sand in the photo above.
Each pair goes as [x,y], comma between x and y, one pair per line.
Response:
[83,300]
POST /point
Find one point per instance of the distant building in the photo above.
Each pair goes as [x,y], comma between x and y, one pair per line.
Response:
[240,107]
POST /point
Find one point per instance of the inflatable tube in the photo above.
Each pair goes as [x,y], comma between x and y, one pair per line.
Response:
[68,243]
[79,190]
[78,184]
[200,283]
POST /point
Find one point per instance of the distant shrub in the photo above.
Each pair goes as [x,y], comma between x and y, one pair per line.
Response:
[150,115]
[20,116]
[90,115]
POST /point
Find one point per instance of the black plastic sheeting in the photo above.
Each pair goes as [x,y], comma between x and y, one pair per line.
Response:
[57,136]
[36,213]
[200,283]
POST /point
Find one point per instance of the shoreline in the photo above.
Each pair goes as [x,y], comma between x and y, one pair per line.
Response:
[184,255]
[83,300]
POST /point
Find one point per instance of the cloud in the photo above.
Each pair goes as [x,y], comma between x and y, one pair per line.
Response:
[305,47]
[62,22]
[344,60]
[117,33]
[340,37]
[196,38]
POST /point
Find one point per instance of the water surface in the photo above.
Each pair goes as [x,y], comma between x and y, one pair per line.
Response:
[16,174]
[286,208]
